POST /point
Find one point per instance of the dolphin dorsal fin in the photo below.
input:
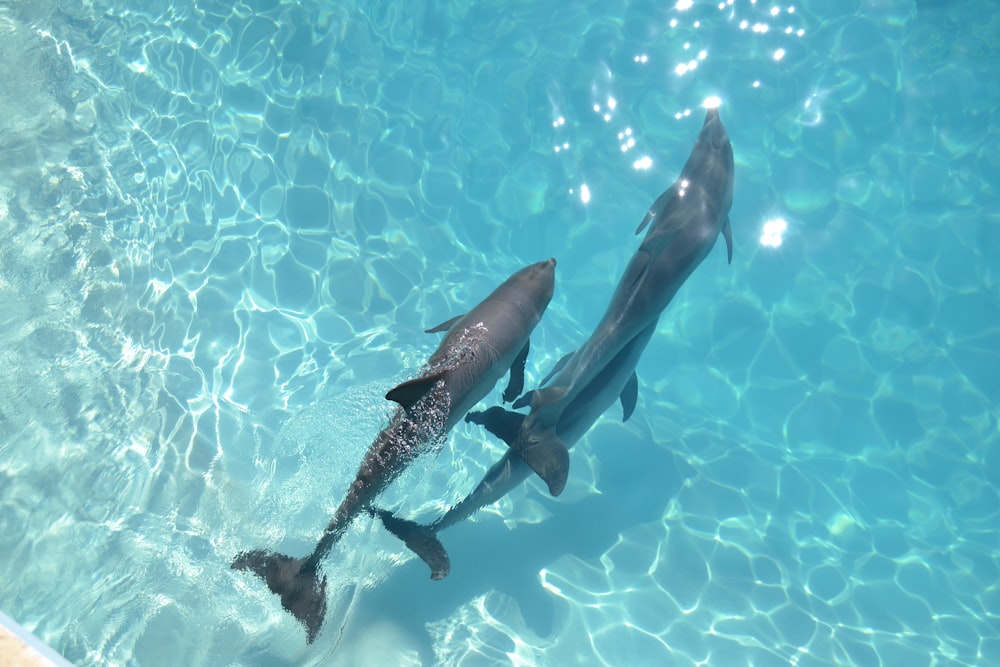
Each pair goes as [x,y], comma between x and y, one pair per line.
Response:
[629,396]
[727,233]
[408,393]
[444,326]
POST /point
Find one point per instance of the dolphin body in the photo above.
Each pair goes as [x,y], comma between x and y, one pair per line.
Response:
[684,223]
[686,220]
[616,380]
[476,352]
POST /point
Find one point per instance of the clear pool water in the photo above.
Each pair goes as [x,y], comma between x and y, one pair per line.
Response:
[223,227]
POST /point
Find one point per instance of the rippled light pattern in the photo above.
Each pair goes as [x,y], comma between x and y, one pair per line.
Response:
[225,227]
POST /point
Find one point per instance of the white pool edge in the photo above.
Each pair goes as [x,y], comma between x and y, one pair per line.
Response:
[28,650]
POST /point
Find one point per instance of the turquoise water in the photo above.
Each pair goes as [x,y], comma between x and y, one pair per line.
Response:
[223,227]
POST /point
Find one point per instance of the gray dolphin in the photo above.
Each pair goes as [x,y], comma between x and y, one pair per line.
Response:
[476,352]
[687,219]
[684,223]
[616,380]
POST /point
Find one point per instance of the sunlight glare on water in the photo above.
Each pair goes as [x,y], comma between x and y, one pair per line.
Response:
[226,227]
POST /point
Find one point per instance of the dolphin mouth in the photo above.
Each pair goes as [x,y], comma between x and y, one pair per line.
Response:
[712,131]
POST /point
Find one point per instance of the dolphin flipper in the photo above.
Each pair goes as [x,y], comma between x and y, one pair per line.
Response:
[516,383]
[727,233]
[548,456]
[504,424]
[421,540]
[302,592]
[629,396]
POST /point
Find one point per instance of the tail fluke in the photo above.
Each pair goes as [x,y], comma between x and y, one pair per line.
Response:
[294,580]
[421,540]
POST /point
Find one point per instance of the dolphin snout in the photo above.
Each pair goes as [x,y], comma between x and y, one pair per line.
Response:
[712,131]
[546,266]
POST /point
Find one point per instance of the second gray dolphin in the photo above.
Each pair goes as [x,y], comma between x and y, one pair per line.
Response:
[476,352]
[684,223]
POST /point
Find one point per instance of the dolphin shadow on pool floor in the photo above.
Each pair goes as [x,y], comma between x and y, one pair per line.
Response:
[638,478]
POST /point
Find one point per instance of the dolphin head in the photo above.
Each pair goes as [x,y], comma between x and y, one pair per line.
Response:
[533,285]
[712,131]
[711,161]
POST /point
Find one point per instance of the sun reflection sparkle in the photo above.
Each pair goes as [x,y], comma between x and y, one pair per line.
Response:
[643,163]
[771,235]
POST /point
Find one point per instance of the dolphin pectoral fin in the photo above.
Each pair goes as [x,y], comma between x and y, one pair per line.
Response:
[421,540]
[629,396]
[657,207]
[411,391]
[558,367]
[504,424]
[548,457]
[727,233]
[302,591]
[444,326]
[516,383]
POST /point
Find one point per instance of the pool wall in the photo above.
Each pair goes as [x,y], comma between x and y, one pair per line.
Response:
[20,648]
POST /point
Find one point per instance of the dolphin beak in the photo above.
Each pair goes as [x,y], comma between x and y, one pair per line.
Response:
[712,130]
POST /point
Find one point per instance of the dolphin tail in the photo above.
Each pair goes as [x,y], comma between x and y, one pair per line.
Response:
[421,540]
[548,456]
[294,580]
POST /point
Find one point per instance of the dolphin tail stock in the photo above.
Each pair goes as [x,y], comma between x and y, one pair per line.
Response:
[294,580]
[419,539]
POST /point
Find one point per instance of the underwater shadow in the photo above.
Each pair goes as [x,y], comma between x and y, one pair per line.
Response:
[638,479]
